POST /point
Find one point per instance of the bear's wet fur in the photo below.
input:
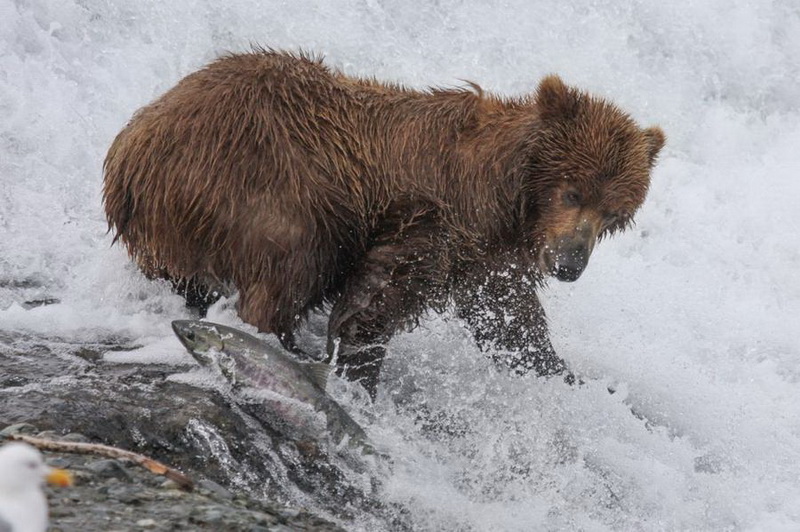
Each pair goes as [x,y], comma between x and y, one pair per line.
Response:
[301,186]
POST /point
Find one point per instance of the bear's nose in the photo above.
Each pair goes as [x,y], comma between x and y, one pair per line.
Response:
[568,273]
[571,263]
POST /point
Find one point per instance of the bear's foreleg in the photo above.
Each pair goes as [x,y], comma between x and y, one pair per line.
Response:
[505,316]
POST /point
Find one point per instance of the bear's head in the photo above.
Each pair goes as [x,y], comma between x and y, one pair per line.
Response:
[594,163]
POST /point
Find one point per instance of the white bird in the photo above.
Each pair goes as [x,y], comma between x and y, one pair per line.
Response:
[23,505]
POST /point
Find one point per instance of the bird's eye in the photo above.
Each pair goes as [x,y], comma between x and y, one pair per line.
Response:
[572,198]
[31,465]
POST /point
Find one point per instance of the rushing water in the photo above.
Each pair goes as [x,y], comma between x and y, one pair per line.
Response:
[692,316]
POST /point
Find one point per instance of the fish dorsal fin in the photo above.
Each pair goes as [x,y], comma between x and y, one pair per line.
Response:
[319,372]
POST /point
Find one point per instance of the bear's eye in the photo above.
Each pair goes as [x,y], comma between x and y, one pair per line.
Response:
[571,198]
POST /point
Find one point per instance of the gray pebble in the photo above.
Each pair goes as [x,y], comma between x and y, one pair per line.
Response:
[124,494]
[75,437]
[60,511]
[108,469]
[169,485]
[59,462]
[265,519]
[289,513]
[18,428]
[214,489]
[209,516]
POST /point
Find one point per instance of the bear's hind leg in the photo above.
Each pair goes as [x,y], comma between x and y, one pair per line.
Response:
[398,278]
[197,295]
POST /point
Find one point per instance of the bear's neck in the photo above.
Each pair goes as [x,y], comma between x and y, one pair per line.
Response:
[494,154]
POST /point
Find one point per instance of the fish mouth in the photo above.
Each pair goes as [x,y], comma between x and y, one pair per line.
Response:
[183,331]
[190,335]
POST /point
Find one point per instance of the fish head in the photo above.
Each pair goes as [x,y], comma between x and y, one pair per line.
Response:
[199,338]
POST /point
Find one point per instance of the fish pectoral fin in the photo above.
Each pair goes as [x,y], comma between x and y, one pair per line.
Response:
[319,372]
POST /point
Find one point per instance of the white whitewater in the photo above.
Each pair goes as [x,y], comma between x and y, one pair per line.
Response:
[692,316]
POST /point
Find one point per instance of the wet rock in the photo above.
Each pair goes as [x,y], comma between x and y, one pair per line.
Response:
[108,469]
[289,513]
[18,428]
[216,489]
[129,503]
[75,437]
[33,303]
[59,462]
[21,283]
[170,485]
[247,459]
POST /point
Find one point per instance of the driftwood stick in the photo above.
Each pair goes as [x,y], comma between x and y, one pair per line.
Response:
[151,465]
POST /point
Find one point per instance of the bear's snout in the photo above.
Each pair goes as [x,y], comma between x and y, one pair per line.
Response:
[566,256]
[570,262]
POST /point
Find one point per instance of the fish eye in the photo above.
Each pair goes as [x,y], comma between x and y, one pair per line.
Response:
[571,198]
[190,335]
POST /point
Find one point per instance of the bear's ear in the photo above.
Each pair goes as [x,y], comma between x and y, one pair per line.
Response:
[555,100]
[655,139]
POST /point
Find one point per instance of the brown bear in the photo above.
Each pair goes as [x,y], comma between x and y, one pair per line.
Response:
[301,186]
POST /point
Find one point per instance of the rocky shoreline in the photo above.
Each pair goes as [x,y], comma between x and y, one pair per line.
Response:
[249,473]
[118,495]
